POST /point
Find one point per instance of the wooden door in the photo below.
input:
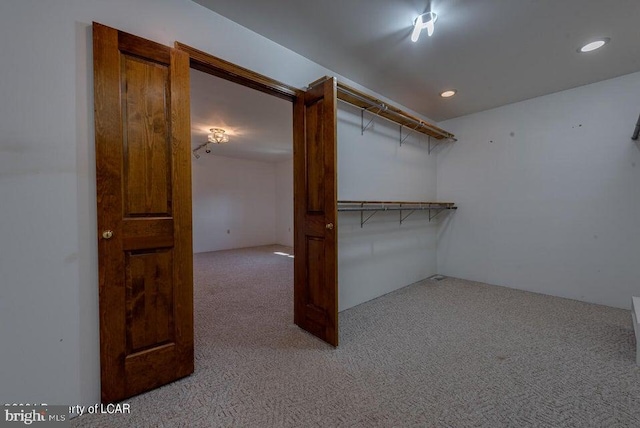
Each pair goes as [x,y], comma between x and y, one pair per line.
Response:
[315,211]
[143,165]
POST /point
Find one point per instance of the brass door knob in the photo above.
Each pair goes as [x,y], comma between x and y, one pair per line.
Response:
[329,226]
[107,234]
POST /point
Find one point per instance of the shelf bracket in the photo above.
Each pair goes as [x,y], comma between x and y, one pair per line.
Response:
[405,217]
[432,147]
[364,220]
[402,140]
[437,210]
[362,125]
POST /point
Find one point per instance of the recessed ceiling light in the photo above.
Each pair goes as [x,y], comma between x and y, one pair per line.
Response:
[449,93]
[596,44]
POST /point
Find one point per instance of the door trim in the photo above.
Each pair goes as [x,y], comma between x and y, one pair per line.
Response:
[211,64]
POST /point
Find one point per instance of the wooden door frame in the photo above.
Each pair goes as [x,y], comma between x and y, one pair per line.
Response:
[213,65]
[210,64]
[218,67]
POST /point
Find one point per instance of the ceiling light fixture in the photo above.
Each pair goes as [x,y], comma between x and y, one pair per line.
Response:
[449,93]
[217,136]
[426,20]
[596,44]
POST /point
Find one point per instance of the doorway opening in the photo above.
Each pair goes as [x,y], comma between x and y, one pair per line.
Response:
[242,209]
[314,188]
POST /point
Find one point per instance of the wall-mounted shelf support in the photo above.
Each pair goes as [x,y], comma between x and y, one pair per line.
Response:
[362,125]
[438,211]
[402,140]
[407,216]
[637,130]
[373,207]
[432,146]
[364,220]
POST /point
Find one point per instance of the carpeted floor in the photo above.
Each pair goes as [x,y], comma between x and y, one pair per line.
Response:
[448,353]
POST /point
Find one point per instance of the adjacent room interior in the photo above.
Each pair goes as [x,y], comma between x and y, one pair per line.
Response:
[242,185]
[242,181]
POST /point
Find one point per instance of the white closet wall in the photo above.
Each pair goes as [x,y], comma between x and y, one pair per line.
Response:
[382,256]
[549,194]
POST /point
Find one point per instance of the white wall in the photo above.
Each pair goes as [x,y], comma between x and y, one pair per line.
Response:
[284,203]
[549,194]
[48,244]
[234,203]
[383,255]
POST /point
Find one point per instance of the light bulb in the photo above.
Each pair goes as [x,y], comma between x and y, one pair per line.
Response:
[420,25]
[431,23]
[430,28]
[417,28]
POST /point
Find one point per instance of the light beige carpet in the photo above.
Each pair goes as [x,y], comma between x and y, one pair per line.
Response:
[451,353]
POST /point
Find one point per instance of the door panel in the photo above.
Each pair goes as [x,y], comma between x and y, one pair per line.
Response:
[144,199]
[315,156]
[146,138]
[149,300]
[315,196]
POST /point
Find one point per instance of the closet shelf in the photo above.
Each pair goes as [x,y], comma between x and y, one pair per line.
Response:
[381,109]
[373,207]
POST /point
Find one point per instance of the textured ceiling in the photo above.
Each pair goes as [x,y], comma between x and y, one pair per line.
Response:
[494,52]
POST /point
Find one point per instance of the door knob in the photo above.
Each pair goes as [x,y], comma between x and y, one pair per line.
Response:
[329,226]
[107,234]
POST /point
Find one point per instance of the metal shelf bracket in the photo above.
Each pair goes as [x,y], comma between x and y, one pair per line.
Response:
[363,221]
[407,216]
[402,140]
[438,211]
[380,108]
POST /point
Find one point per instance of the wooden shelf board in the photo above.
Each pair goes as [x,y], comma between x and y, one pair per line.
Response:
[391,113]
[437,204]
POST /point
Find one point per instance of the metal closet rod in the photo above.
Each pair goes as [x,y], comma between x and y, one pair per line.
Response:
[383,107]
[637,130]
[405,203]
[395,208]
